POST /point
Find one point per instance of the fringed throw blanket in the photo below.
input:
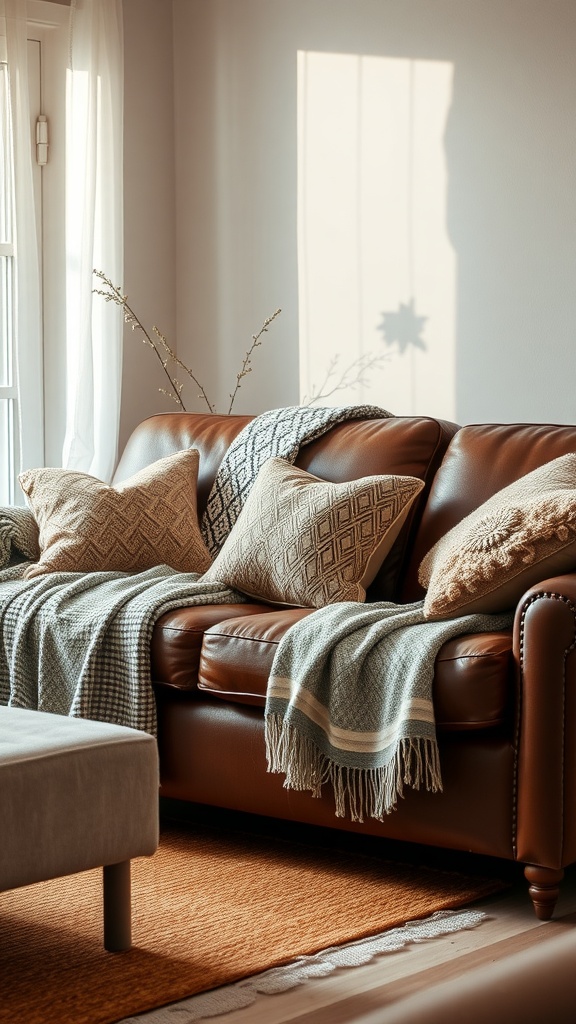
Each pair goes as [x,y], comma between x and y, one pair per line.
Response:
[79,644]
[350,702]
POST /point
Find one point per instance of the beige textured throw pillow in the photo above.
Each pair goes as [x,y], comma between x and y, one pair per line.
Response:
[88,526]
[304,541]
[522,535]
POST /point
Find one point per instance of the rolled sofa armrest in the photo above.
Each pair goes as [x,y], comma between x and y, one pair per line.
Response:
[545,741]
[18,535]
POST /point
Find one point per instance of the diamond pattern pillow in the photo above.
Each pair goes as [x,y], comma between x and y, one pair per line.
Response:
[307,542]
[88,526]
[522,535]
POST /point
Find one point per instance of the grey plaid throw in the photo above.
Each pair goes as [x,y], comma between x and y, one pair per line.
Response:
[79,643]
[350,702]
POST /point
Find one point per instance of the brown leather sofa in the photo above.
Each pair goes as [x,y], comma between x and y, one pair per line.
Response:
[505,703]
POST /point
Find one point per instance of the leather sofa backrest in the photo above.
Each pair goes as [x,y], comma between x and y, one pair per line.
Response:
[408,446]
[403,446]
[480,460]
[172,432]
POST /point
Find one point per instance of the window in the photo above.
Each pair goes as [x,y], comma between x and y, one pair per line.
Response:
[11,439]
[7,386]
[31,251]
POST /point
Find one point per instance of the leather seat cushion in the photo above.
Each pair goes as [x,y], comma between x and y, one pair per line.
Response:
[472,685]
[237,655]
[177,640]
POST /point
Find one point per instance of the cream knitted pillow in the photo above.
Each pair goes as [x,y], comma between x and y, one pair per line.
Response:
[307,542]
[522,535]
[88,526]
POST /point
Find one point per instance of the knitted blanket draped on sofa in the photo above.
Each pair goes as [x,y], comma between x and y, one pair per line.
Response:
[349,702]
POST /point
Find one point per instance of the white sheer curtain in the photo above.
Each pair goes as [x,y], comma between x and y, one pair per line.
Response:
[27,317]
[94,234]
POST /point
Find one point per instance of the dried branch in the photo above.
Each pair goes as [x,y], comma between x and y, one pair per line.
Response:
[246,367]
[172,355]
[114,294]
[166,354]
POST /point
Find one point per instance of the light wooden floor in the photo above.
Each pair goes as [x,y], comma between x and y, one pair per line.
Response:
[347,995]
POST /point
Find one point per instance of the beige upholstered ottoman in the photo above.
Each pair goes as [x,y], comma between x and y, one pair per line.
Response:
[74,795]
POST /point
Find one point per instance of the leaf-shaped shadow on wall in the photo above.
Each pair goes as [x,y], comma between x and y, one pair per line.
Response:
[403,327]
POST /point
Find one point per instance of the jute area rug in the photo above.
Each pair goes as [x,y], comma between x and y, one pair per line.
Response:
[208,909]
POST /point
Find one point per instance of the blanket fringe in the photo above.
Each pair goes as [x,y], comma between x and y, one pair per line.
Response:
[371,792]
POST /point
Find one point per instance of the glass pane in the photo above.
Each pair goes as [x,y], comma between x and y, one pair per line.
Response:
[5,161]
[6,293]
[6,451]
[6,323]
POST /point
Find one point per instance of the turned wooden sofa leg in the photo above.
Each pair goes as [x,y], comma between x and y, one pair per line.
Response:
[544,889]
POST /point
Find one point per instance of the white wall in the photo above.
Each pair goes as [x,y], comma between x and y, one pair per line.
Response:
[235,189]
[211,197]
[511,206]
[149,202]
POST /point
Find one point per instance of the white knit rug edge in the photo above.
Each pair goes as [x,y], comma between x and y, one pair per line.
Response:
[304,968]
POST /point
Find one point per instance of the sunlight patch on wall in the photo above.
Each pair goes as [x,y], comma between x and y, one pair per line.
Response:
[376,268]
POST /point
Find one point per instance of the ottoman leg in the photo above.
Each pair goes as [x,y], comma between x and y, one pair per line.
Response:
[117,907]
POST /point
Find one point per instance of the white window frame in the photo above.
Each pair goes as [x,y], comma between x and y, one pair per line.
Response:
[48,38]
[49,26]
[8,392]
